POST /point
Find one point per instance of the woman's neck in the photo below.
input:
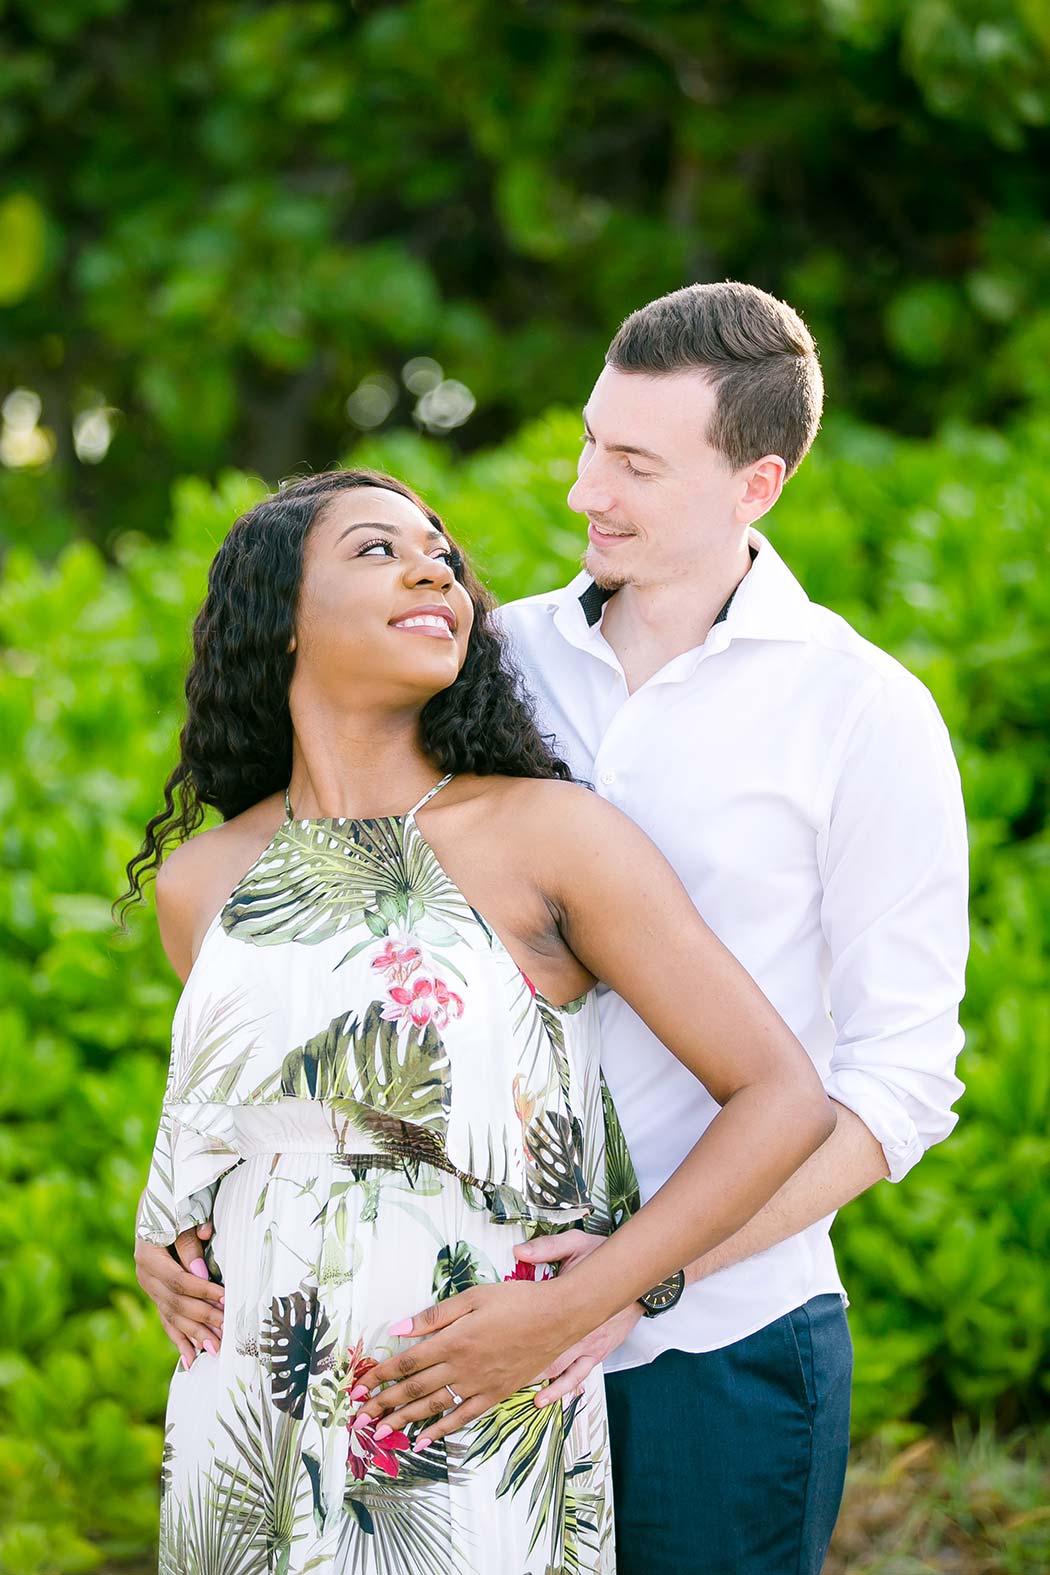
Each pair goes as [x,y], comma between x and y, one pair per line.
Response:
[362,766]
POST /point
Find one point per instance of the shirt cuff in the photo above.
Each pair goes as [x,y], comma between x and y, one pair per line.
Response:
[884,1115]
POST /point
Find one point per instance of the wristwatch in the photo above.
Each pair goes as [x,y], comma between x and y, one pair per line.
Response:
[664,1296]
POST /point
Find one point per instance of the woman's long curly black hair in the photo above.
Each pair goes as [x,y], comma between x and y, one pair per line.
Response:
[235,747]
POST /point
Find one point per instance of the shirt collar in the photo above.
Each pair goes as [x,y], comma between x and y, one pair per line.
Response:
[768,604]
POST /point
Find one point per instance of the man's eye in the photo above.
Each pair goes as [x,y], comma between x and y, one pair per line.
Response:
[634,471]
[585,438]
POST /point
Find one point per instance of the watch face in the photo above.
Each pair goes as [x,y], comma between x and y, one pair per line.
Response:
[664,1295]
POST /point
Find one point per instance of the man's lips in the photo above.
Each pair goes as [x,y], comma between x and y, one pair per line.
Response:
[602,537]
[437,621]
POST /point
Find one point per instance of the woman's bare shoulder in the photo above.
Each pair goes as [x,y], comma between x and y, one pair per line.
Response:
[196,878]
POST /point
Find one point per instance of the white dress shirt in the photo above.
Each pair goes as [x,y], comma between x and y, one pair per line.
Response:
[802,784]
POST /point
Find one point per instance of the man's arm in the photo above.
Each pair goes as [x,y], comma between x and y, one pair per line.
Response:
[846,1165]
[894,872]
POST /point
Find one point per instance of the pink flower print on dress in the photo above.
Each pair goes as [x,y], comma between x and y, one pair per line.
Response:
[531,1271]
[357,1365]
[421,1001]
[399,958]
[366,1451]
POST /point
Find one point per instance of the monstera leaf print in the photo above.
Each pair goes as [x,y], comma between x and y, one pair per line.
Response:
[458,1267]
[294,1343]
[325,876]
[369,1071]
[554,1159]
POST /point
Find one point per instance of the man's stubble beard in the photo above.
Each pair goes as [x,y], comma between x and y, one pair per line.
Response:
[606,579]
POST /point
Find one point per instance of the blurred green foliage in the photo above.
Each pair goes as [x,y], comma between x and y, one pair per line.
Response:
[934,549]
[220,223]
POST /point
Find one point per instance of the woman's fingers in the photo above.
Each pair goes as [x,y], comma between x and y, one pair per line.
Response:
[202,1334]
[432,1405]
[568,1382]
[458,1417]
[427,1385]
[185,1347]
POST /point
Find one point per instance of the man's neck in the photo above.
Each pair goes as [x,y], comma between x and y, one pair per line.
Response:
[649,625]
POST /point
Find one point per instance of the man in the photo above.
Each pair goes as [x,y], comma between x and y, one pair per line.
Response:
[803,785]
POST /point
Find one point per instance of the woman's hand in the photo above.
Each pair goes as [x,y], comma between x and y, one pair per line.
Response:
[568,1370]
[482,1345]
[190,1304]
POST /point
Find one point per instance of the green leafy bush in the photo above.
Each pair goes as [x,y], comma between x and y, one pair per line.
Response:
[933,550]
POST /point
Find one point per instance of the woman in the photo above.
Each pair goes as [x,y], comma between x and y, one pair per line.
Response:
[368,1091]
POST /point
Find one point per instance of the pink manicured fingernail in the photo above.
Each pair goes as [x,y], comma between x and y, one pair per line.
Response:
[421,1444]
[360,1393]
[211,1348]
[222,1302]
[359,1420]
[185,1364]
[404,1327]
[199,1268]
[382,1430]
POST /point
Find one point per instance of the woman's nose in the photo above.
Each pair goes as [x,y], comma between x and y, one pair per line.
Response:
[425,570]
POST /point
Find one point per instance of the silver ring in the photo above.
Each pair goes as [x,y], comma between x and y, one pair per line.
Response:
[457,1398]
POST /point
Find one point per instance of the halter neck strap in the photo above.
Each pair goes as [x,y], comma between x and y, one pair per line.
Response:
[428,796]
[415,807]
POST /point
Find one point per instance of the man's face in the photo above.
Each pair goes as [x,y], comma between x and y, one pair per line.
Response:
[657,496]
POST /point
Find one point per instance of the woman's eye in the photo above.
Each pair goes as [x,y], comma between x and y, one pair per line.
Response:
[373,546]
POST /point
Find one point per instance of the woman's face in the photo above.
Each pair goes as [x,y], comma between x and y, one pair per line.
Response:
[381,614]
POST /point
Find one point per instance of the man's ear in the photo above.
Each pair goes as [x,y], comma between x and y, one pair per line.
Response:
[763,484]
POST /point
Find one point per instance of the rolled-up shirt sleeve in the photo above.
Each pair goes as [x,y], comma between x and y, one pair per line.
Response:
[895,880]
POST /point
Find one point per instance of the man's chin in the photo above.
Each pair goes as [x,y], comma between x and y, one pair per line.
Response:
[604,575]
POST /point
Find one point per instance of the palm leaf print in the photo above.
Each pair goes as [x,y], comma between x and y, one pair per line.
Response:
[400,1524]
[217,1531]
[621,1182]
[269,1483]
[202,1043]
[318,879]
[537,1439]
[293,1342]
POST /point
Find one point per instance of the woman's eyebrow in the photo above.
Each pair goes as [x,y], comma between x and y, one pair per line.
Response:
[393,530]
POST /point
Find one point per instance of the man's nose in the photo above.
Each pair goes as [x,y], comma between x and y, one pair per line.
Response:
[589,494]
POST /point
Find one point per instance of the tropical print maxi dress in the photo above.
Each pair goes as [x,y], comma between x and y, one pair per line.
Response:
[374,1104]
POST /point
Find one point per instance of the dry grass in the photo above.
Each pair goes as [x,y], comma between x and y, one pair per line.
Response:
[972,1505]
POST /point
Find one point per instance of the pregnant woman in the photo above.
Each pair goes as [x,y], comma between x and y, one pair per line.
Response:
[384,1062]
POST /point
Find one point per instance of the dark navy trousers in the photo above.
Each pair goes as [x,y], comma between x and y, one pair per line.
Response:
[732,1462]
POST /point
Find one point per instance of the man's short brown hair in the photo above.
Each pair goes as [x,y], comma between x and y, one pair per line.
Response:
[756,352]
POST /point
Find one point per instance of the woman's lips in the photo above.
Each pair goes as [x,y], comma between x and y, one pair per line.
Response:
[431,624]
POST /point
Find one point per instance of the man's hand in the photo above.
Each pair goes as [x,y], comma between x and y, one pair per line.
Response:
[568,1371]
[190,1304]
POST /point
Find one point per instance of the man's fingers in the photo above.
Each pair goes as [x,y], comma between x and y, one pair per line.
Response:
[205,1230]
[560,1363]
[569,1380]
[550,1249]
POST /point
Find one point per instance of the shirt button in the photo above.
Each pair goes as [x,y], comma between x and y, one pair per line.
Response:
[607,778]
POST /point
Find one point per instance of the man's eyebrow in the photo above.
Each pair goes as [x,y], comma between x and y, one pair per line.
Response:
[393,530]
[626,448]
